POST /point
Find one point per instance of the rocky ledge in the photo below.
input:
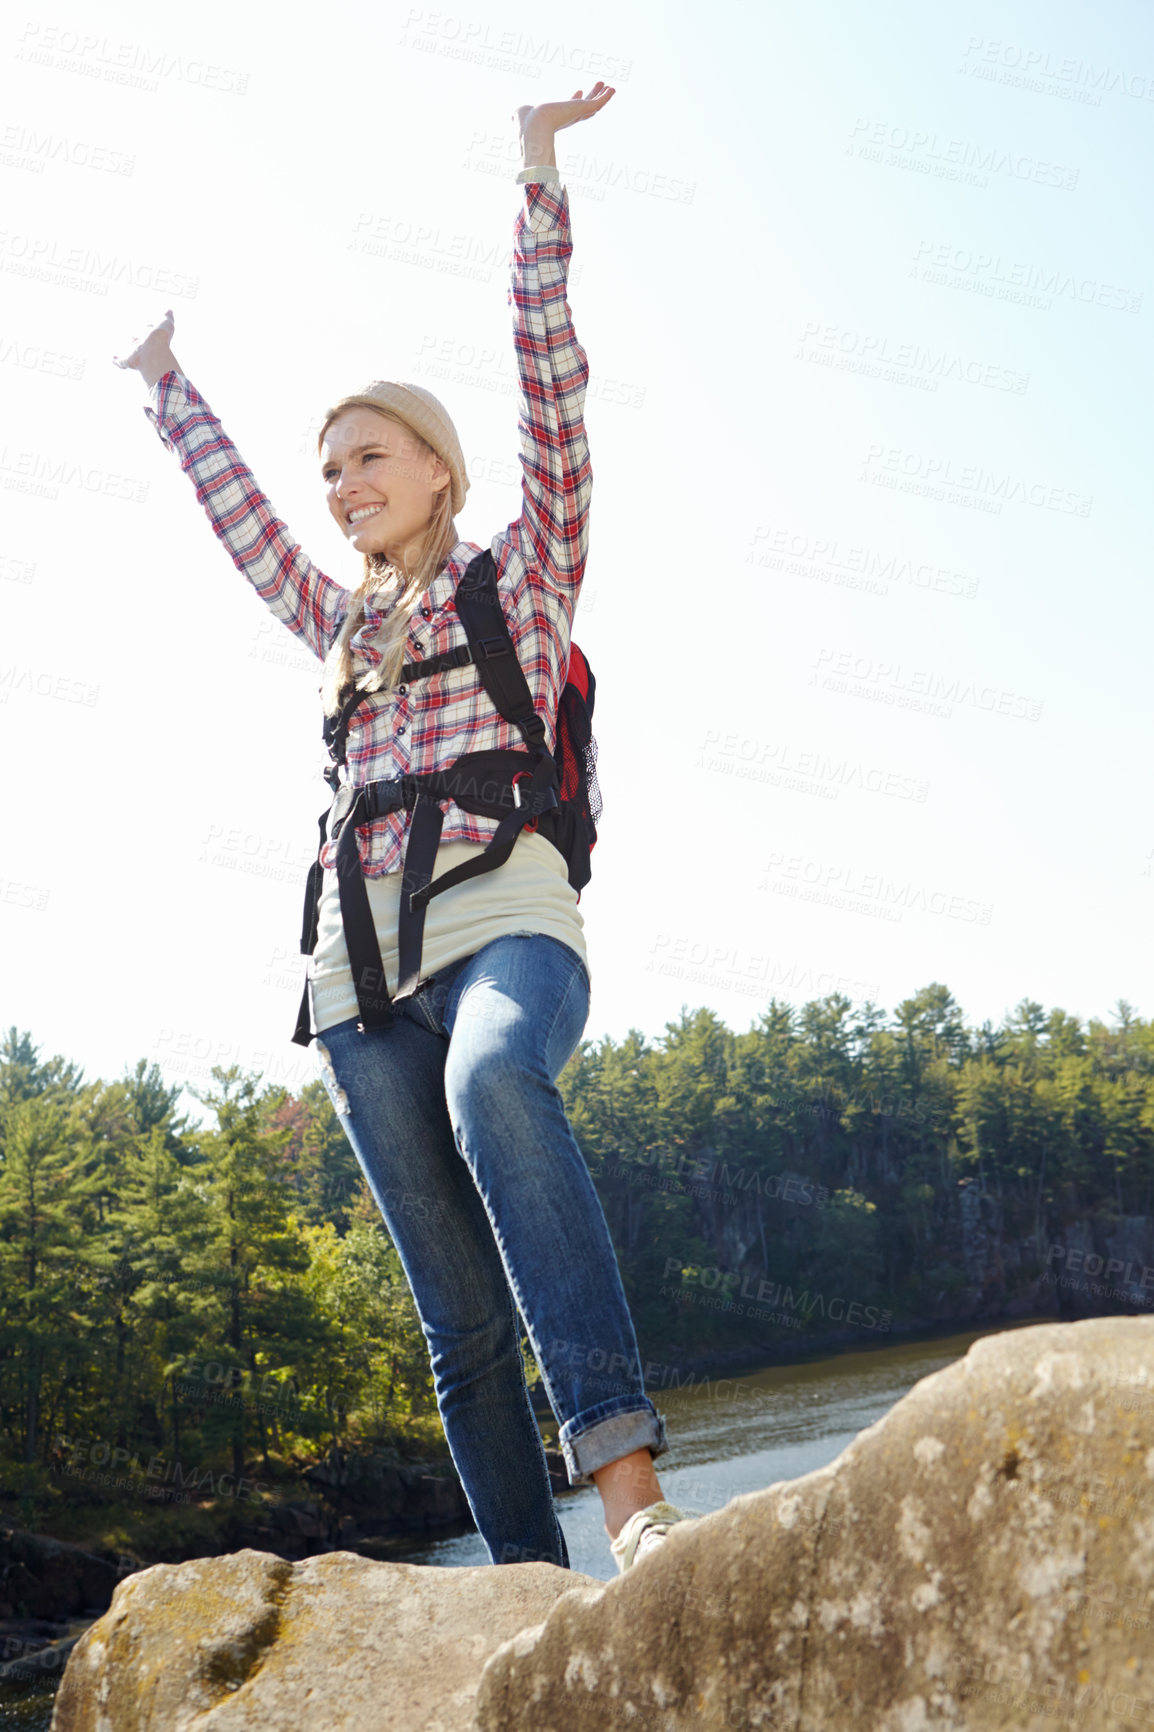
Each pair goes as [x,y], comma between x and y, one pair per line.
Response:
[982,1557]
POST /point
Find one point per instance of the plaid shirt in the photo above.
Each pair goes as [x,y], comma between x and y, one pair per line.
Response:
[540,557]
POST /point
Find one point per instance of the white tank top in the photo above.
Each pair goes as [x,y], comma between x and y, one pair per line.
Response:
[529,893]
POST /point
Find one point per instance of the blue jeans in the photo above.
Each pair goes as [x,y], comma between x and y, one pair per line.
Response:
[461,1132]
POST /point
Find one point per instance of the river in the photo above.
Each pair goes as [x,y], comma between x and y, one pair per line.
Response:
[726,1437]
[739,1434]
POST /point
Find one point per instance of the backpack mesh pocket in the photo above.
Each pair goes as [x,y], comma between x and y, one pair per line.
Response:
[576,756]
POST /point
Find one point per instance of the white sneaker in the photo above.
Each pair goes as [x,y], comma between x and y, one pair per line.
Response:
[643,1533]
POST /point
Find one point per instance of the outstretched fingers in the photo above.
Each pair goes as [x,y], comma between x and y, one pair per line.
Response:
[153,344]
[547,118]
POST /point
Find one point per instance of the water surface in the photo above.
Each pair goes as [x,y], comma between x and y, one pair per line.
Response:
[740,1434]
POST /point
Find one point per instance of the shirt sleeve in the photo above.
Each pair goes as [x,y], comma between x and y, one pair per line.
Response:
[298,592]
[552,532]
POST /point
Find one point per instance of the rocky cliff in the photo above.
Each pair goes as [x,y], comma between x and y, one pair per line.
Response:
[982,1557]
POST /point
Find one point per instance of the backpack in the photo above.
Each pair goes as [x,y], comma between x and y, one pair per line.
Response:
[562,798]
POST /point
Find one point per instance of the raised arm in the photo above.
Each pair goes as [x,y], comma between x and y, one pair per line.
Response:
[552,531]
[297,592]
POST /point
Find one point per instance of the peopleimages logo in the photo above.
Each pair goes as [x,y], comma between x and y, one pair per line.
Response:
[933,474]
[481,43]
[25,148]
[855,566]
[133,64]
[50,259]
[778,763]
[1068,75]
[877,355]
[1128,1280]
[730,1284]
[81,1456]
[952,158]
[846,885]
[1017,280]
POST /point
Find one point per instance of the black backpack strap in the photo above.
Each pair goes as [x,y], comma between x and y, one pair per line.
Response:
[490,649]
[478,605]
[302,1034]
[479,611]
[479,780]
[417,871]
[365,964]
[538,797]
[336,729]
[347,811]
[440,664]
[489,646]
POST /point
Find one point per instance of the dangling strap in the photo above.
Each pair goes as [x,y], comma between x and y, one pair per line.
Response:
[490,648]
[540,796]
[365,963]
[420,859]
[313,892]
[302,1033]
[336,728]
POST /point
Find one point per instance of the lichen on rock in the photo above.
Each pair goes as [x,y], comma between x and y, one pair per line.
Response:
[980,1558]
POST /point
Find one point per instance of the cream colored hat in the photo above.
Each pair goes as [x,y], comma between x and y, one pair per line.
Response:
[425,414]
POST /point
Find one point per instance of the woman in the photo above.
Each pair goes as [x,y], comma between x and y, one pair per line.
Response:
[452,1107]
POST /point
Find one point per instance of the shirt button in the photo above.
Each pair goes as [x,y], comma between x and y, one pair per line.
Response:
[401,729]
[424,613]
[402,691]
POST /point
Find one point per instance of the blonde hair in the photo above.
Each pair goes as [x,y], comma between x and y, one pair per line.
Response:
[399,589]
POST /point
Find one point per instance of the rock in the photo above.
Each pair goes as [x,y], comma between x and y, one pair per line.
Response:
[252,1643]
[1095,1264]
[297,1519]
[383,1498]
[982,1557]
[37,1665]
[45,1578]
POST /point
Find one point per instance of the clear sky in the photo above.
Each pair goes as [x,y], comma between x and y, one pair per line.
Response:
[867,296]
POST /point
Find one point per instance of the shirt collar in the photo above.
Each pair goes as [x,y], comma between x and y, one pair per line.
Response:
[443,586]
[436,598]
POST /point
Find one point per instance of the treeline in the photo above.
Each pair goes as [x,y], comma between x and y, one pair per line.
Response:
[229,1297]
[833,1167]
[223,1297]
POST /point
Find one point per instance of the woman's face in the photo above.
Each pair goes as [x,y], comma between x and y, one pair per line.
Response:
[380,482]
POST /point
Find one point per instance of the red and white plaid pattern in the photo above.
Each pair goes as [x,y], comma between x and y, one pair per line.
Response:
[540,557]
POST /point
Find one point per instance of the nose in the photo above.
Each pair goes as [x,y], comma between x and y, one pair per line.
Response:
[345,492]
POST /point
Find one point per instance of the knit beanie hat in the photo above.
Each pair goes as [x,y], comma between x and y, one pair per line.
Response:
[425,414]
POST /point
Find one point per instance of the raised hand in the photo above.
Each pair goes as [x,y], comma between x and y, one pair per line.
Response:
[551,116]
[547,118]
[152,355]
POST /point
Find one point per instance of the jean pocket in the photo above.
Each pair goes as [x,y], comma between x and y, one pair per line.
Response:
[431,999]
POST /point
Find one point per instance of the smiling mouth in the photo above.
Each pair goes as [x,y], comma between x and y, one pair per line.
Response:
[363,515]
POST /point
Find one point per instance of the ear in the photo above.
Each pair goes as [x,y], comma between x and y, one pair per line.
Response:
[442,474]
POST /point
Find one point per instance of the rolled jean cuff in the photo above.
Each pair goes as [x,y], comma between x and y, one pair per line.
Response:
[621,1432]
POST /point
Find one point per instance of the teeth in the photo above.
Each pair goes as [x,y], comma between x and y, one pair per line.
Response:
[364,511]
